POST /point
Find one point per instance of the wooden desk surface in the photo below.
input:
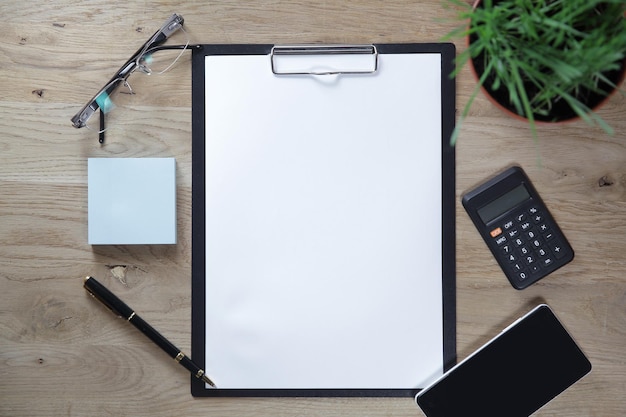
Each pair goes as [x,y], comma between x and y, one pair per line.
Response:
[63,354]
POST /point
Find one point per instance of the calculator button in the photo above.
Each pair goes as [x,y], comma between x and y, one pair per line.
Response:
[518,242]
[501,240]
[518,267]
[548,236]
[558,249]
[529,259]
[543,228]
[508,225]
[524,251]
[533,210]
[547,261]
[525,226]
[534,268]
[511,257]
[507,248]
[496,232]
[542,252]
[536,243]
[522,275]
[520,217]
[532,234]
[513,233]
[537,218]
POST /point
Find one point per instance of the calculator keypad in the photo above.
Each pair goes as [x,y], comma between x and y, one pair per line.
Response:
[530,245]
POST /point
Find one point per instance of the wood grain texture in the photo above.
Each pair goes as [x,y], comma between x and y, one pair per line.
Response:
[63,354]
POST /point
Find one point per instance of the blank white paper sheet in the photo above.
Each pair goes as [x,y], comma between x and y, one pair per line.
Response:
[323,225]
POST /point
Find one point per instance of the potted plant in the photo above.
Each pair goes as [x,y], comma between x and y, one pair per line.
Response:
[544,60]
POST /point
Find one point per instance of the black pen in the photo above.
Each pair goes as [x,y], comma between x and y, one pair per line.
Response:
[118,307]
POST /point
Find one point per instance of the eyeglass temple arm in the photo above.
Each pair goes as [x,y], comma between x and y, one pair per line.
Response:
[102,128]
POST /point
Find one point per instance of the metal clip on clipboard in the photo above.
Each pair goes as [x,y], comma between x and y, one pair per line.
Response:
[324,59]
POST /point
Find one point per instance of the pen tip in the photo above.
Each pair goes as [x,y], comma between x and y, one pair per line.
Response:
[208,381]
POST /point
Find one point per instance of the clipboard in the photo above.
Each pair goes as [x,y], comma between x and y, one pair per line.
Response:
[323,207]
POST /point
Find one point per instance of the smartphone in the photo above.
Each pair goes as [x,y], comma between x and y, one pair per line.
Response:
[513,375]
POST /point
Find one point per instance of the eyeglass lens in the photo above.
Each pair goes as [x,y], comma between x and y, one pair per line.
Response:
[118,92]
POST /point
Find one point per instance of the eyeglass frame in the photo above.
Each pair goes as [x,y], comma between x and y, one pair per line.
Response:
[174,23]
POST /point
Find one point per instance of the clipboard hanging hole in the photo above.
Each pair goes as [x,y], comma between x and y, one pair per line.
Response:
[321,60]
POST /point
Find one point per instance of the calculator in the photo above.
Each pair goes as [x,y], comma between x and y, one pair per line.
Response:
[517,227]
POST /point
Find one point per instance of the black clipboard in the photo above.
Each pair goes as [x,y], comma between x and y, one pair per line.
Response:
[214,96]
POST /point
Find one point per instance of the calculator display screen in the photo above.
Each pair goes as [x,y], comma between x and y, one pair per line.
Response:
[503,203]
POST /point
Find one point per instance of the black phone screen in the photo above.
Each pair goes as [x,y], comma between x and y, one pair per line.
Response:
[515,374]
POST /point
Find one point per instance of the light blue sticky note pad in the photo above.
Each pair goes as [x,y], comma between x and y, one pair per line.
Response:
[132,201]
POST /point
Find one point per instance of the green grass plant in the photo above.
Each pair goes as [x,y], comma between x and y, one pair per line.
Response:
[542,52]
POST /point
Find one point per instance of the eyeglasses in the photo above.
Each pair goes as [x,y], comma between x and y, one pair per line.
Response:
[145,61]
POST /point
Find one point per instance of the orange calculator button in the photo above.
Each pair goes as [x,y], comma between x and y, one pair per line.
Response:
[496,232]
